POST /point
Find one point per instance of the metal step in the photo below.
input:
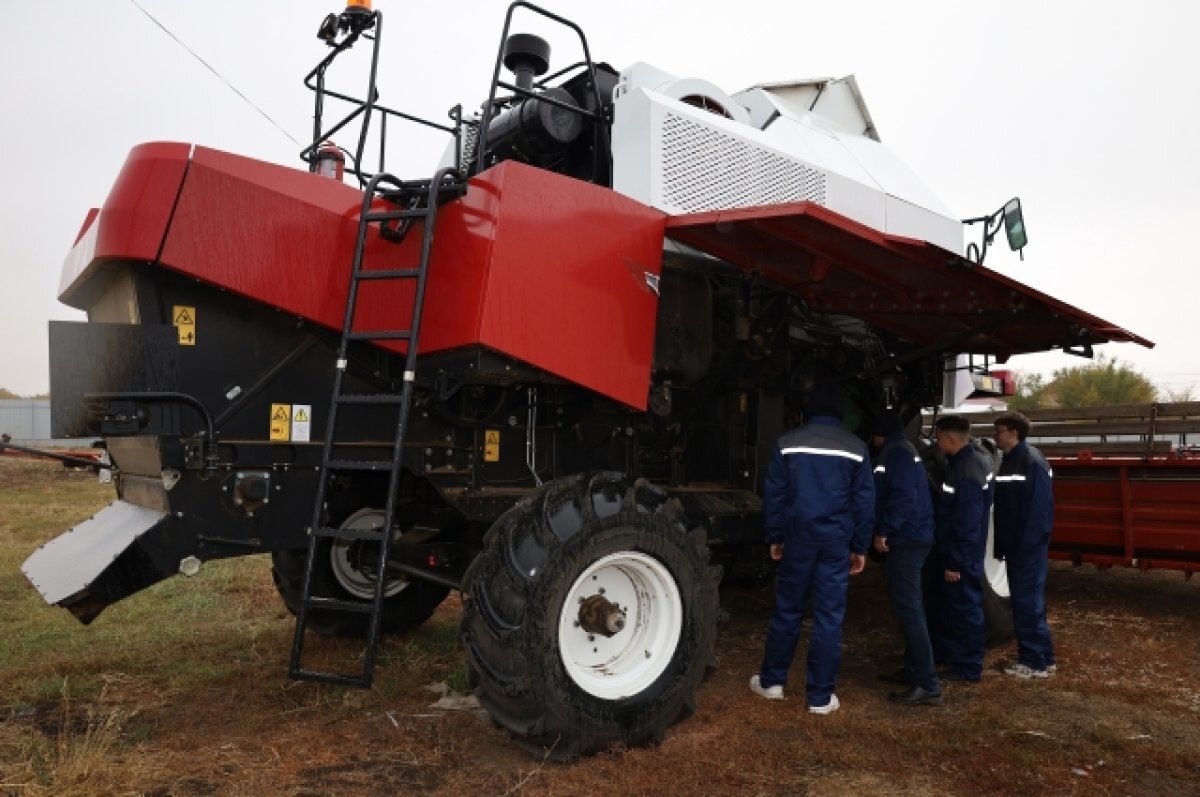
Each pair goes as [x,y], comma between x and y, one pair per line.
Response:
[349,535]
[390,215]
[381,334]
[362,681]
[334,605]
[370,398]
[360,464]
[388,274]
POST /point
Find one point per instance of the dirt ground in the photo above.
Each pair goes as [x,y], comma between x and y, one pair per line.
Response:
[207,709]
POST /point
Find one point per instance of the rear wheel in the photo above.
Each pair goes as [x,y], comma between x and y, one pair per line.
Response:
[590,616]
[346,571]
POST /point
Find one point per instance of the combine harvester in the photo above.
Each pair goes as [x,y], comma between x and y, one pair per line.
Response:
[551,376]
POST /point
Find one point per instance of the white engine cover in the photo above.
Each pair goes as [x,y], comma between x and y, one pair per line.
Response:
[681,158]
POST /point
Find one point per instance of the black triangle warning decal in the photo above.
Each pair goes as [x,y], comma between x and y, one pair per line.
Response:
[281,414]
[184,317]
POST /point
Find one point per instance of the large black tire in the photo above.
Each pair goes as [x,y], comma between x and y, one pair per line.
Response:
[560,691]
[407,602]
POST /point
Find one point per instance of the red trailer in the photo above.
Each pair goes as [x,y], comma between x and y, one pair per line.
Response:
[1126,483]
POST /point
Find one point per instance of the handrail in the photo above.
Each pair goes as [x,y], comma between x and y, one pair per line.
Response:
[489,107]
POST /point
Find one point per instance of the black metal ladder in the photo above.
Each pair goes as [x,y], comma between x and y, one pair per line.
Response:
[411,201]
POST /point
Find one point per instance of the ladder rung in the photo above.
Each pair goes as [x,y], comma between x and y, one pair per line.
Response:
[338,606]
[372,535]
[360,464]
[375,398]
[381,334]
[331,678]
[387,274]
[389,215]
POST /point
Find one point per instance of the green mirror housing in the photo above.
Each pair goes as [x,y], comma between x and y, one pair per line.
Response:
[1014,225]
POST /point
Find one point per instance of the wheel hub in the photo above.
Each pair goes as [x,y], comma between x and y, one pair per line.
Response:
[597,615]
[620,625]
[354,563]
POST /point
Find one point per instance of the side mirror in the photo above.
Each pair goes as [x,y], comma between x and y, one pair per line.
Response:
[1014,226]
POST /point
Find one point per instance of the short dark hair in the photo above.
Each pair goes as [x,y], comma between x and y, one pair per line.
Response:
[953,423]
[826,398]
[1016,421]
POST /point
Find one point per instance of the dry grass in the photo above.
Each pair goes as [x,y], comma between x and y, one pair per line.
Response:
[181,691]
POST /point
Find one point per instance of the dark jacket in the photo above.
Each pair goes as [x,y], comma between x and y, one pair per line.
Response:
[961,508]
[819,487]
[1024,500]
[903,509]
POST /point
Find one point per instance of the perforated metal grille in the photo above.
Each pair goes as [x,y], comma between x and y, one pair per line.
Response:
[705,169]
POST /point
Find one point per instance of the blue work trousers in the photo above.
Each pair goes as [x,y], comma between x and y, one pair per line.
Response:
[962,634]
[820,572]
[1027,584]
[903,570]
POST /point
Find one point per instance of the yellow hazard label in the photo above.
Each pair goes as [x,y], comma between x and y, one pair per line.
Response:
[491,445]
[301,415]
[184,319]
[281,421]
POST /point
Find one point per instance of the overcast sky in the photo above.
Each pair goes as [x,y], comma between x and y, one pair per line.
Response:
[1086,110]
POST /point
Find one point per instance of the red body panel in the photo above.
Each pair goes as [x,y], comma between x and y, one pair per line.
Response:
[913,289]
[540,267]
[135,215]
[1132,512]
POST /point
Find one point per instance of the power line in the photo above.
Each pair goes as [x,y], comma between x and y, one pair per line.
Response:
[215,72]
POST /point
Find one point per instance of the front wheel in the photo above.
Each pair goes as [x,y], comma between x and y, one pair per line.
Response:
[590,616]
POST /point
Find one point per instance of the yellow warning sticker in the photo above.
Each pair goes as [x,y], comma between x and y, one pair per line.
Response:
[281,421]
[491,445]
[184,319]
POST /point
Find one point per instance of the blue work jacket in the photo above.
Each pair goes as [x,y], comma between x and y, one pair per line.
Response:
[903,508]
[1024,501]
[819,487]
[961,506]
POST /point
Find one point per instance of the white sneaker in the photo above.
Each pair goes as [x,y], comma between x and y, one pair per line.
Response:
[769,692]
[828,708]
[1051,669]
[1025,672]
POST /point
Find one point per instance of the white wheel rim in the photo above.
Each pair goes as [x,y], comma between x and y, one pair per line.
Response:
[629,661]
[994,570]
[352,561]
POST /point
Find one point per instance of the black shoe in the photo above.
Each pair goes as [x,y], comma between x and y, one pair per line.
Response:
[916,697]
[955,675]
[900,677]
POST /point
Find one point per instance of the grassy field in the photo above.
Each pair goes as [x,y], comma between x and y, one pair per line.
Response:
[182,690]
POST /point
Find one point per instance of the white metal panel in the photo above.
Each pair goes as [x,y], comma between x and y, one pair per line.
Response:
[79,259]
[69,563]
[911,221]
[839,103]
[631,144]
[893,175]
[863,203]
[805,134]
[682,159]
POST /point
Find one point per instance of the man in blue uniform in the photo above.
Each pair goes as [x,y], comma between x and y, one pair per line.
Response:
[904,531]
[817,508]
[1023,518]
[961,507]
